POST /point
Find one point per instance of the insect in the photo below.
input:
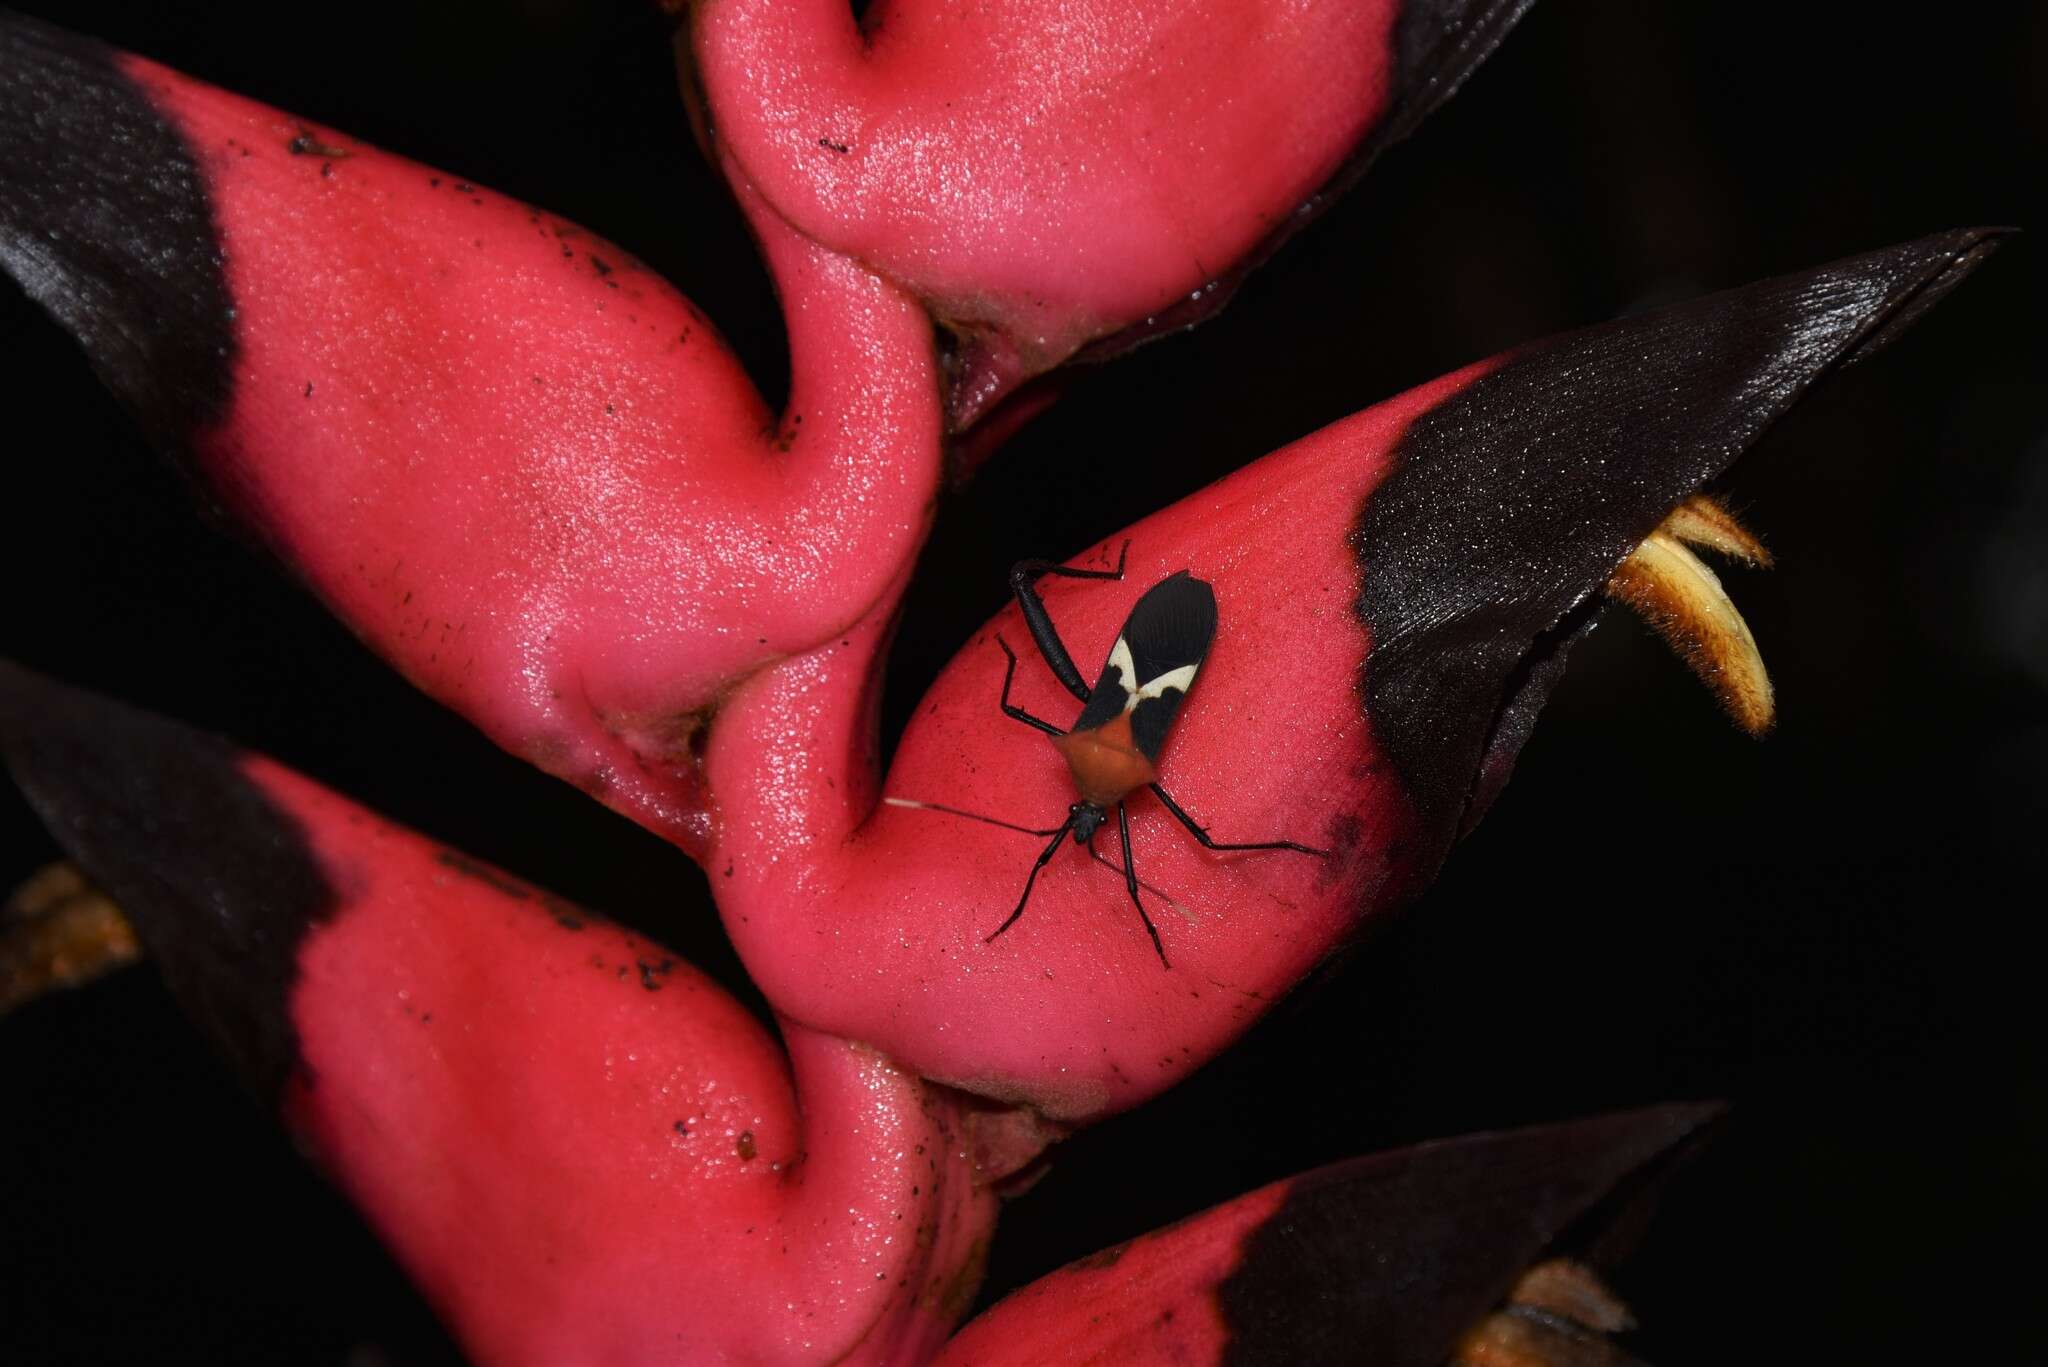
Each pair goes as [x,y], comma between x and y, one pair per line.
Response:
[1113,747]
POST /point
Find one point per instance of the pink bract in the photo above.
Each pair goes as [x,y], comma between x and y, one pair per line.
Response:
[530,475]
[1046,177]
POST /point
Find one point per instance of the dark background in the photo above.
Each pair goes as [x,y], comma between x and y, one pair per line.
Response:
[1829,927]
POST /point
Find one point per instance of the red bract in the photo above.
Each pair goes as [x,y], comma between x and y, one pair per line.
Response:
[526,471]
[443,1036]
[530,476]
[1048,177]
[1396,595]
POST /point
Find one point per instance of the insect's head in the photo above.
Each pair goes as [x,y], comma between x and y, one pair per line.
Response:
[1087,818]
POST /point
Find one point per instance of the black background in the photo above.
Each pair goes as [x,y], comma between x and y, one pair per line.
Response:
[1829,927]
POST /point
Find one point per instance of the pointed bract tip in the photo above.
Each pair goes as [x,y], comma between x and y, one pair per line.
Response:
[219,881]
[1437,44]
[1391,1259]
[1513,501]
[106,223]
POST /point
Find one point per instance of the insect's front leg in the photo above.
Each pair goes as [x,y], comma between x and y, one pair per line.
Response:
[1010,708]
[1024,583]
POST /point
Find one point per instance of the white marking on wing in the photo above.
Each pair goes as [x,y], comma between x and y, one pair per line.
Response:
[1126,671]
[1182,678]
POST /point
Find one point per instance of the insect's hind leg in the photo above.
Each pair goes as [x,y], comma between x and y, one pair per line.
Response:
[1024,583]
[1123,830]
[1044,857]
[1203,835]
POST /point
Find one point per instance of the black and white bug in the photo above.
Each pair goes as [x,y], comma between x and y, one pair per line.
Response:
[1113,747]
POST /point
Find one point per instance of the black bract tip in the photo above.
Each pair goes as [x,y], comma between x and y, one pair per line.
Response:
[105,222]
[219,881]
[1511,502]
[1389,1259]
[1437,44]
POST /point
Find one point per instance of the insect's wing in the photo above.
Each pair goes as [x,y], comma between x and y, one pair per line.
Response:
[1113,689]
[1154,661]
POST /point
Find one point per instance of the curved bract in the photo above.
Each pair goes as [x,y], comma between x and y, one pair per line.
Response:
[1053,176]
[576,1143]
[1396,595]
[525,470]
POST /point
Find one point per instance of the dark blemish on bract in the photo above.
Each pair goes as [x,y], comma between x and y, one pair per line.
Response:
[564,913]
[831,146]
[1108,1257]
[483,873]
[600,265]
[307,145]
[652,972]
[744,1146]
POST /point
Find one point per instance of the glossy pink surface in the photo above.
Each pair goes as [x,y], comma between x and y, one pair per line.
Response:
[868,922]
[1042,172]
[527,471]
[584,1151]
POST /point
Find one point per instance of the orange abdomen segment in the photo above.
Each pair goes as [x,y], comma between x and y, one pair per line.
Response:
[1106,762]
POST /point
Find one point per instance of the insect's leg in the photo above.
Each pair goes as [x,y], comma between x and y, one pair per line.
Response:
[1044,858]
[1209,844]
[1099,857]
[1009,673]
[1024,583]
[1123,829]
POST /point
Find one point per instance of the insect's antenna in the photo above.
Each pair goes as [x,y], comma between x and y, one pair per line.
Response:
[971,816]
